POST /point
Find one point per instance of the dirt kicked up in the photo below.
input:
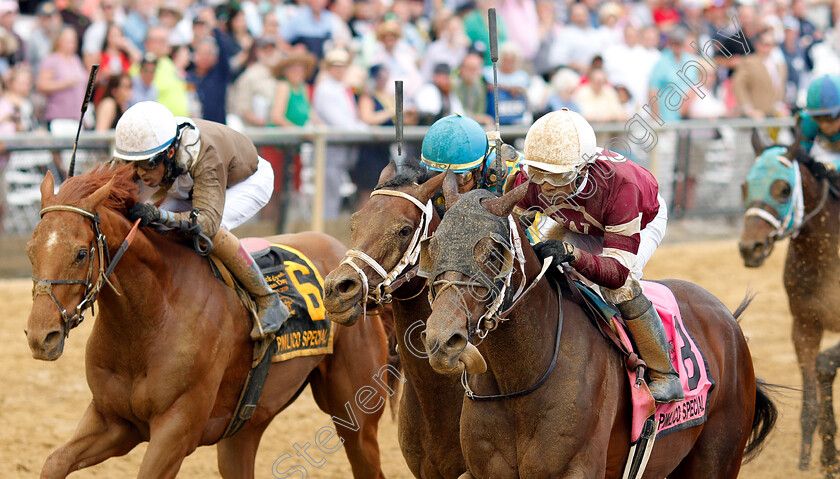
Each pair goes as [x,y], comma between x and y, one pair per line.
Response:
[41,403]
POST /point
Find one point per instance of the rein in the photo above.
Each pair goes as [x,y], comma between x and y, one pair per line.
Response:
[98,246]
[382,292]
[465,379]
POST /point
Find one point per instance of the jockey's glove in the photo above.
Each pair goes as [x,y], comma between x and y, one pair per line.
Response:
[561,251]
[145,212]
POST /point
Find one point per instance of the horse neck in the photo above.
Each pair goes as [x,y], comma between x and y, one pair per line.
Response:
[139,277]
[815,247]
[521,349]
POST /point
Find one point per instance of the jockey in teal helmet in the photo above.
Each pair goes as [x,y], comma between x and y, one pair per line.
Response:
[460,144]
[821,116]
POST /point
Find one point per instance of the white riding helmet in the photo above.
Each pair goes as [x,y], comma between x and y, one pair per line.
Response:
[143,131]
[560,142]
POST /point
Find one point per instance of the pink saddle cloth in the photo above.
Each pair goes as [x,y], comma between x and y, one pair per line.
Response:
[688,361]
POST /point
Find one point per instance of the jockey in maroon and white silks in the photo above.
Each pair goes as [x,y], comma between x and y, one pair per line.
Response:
[620,204]
[615,205]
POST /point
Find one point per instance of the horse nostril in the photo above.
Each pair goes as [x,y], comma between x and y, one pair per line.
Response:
[456,342]
[51,339]
[347,285]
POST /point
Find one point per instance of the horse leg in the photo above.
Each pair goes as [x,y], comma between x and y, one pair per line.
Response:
[827,363]
[806,341]
[97,438]
[345,387]
[236,454]
[172,436]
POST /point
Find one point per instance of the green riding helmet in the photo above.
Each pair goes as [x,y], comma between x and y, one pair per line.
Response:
[824,96]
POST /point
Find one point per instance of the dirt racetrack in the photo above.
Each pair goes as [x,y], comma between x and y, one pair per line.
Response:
[41,402]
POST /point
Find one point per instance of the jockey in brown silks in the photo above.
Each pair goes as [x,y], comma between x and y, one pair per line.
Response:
[599,194]
[203,165]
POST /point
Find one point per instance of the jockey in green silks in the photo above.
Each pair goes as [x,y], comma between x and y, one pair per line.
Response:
[821,122]
[460,144]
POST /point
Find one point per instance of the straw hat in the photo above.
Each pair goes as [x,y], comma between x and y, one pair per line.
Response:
[172,6]
[338,56]
[386,27]
[301,57]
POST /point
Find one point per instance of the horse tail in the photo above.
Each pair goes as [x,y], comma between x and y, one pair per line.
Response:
[764,420]
[745,303]
[394,382]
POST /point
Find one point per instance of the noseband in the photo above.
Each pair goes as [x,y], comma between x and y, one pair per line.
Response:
[381,293]
[98,246]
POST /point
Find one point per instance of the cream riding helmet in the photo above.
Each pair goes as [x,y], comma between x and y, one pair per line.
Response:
[558,146]
[144,133]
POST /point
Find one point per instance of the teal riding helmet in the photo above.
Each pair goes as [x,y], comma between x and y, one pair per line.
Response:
[824,96]
[456,143]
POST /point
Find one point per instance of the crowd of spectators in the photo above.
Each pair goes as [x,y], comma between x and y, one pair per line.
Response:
[289,64]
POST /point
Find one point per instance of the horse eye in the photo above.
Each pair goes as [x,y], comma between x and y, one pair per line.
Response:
[406,231]
[786,191]
[81,255]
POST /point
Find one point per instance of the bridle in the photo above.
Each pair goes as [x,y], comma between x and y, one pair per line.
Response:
[793,222]
[98,247]
[492,317]
[391,280]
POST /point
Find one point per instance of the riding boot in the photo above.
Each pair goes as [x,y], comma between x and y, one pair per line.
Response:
[271,312]
[649,334]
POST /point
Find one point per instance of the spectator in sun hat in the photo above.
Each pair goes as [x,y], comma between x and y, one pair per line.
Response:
[397,56]
[334,103]
[291,104]
[171,17]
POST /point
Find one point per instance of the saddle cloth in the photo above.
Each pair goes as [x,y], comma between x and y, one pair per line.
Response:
[686,357]
[307,332]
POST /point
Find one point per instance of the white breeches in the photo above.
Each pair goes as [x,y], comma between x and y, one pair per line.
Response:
[242,200]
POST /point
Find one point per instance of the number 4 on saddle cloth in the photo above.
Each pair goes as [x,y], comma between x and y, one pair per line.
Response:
[686,357]
[307,332]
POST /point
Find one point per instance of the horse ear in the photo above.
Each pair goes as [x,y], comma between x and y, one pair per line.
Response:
[95,200]
[388,173]
[503,205]
[427,190]
[757,143]
[450,189]
[47,189]
[790,154]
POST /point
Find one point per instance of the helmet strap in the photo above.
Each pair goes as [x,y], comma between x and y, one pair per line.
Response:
[173,169]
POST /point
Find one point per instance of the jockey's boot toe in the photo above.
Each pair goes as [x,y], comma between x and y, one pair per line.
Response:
[271,313]
[665,388]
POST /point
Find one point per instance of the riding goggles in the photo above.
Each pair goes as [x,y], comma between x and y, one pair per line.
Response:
[152,162]
[555,179]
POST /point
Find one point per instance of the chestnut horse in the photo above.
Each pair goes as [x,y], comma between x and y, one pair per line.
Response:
[575,423]
[811,274]
[170,349]
[387,230]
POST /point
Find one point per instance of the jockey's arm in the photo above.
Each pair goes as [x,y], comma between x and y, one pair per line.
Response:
[210,182]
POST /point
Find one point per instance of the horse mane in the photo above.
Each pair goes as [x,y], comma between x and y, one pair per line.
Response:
[123,194]
[411,171]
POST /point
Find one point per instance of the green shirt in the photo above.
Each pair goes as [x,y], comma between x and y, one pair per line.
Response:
[475,24]
[172,89]
[297,111]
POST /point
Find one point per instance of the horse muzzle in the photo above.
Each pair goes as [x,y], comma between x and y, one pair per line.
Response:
[46,346]
[343,297]
[755,252]
[453,356]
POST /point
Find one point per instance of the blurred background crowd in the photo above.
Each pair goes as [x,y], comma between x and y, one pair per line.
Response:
[289,64]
